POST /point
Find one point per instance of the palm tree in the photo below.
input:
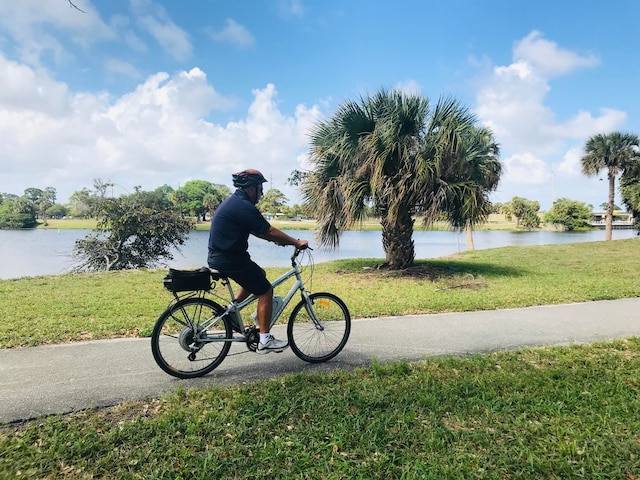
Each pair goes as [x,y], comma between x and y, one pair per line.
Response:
[388,151]
[466,178]
[630,189]
[614,151]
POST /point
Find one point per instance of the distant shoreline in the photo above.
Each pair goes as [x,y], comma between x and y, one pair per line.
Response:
[80,224]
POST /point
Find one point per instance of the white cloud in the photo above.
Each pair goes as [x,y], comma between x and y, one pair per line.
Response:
[113,65]
[291,8]
[511,100]
[409,87]
[170,36]
[525,169]
[571,162]
[547,58]
[33,23]
[155,134]
[584,125]
[234,34]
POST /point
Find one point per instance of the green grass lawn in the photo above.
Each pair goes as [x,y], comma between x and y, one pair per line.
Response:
[546,413]
[550,413]
[73,307]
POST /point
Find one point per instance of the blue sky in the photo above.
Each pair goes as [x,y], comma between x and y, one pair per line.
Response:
[148,92]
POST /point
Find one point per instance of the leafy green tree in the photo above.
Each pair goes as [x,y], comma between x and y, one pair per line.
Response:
[525,212]
[180,199]
[572,214]
[211,202]
[273,201]
[133,231]
[191,197]
[83,204]
[47,200]
[17,212]
[630,190]
[164,191]
[56,210]
[390,152]
[614,152]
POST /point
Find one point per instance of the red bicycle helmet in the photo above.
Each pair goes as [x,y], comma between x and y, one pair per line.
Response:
[248,178]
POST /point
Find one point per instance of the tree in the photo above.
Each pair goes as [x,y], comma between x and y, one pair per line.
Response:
[83,204]
[390,152]
[47,200]
[630,189]
[272,201]
[614,152]
[17,212]
[56,210]
[471,173]
[33,195]
[191,197]
[133,231]
[572,214]
[525,211]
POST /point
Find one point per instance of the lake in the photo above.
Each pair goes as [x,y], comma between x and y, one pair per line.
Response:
[48,252]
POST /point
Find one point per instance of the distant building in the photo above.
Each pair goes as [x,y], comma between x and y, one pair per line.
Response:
[620,219]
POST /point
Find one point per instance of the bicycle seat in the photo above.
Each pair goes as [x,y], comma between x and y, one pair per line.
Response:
[215,274]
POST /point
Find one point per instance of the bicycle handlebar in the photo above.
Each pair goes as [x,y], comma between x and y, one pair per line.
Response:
[296,252]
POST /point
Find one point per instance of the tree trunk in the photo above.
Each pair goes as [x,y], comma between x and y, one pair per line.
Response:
[609,216]
[397,240]
[468,230]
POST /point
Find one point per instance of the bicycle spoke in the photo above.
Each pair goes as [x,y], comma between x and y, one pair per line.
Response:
[319,331]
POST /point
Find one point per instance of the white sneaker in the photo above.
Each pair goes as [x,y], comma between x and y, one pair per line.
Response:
[273,345]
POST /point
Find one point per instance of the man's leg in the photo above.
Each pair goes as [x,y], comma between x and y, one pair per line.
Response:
[265,307]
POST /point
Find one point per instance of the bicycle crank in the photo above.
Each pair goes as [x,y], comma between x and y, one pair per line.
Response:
[252,335]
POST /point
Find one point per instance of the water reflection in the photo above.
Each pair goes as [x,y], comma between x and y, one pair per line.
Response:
[47,252]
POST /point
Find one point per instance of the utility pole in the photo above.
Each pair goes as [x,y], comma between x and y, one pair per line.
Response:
[553,194]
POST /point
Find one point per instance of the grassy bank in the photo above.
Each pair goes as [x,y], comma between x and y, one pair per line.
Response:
[74,224]
[54,309]
[547,413]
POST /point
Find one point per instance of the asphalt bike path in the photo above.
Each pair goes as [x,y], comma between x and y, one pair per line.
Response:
[71,377]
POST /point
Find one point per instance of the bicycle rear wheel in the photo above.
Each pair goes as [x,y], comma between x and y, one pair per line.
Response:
[179,348]
[320,342]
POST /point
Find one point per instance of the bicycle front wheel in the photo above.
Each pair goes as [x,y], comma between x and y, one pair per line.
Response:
[180,346]
[319,330]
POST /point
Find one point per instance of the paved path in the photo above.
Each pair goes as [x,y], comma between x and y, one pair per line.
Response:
[70,377]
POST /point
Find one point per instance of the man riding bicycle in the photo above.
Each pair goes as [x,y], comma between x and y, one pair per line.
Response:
[234,220]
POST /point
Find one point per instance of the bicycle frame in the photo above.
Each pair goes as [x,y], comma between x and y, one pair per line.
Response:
[298,285]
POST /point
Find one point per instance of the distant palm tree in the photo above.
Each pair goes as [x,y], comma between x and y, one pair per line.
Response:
[466,178]
[630,189]
[614,151]
[389,152]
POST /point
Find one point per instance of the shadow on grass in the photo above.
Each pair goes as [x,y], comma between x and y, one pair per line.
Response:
[429,269]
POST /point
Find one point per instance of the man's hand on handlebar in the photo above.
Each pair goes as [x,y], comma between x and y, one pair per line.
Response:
[301,244]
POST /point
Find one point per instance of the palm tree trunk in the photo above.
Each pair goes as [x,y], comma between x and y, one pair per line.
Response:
[468,230]
[609,216]
[397,240]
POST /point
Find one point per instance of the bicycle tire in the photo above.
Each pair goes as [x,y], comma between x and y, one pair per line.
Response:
[173,333]
[312,344]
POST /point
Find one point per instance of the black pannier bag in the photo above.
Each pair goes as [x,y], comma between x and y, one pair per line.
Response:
[188,280]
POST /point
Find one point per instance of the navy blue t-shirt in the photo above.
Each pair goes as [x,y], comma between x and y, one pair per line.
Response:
[234,220]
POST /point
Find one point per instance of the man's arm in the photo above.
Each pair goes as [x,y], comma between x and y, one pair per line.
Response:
[272,234]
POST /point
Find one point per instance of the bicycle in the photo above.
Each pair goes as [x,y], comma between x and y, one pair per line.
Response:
[194,334]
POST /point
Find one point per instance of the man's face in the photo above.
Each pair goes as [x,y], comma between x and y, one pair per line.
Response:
[257,193]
